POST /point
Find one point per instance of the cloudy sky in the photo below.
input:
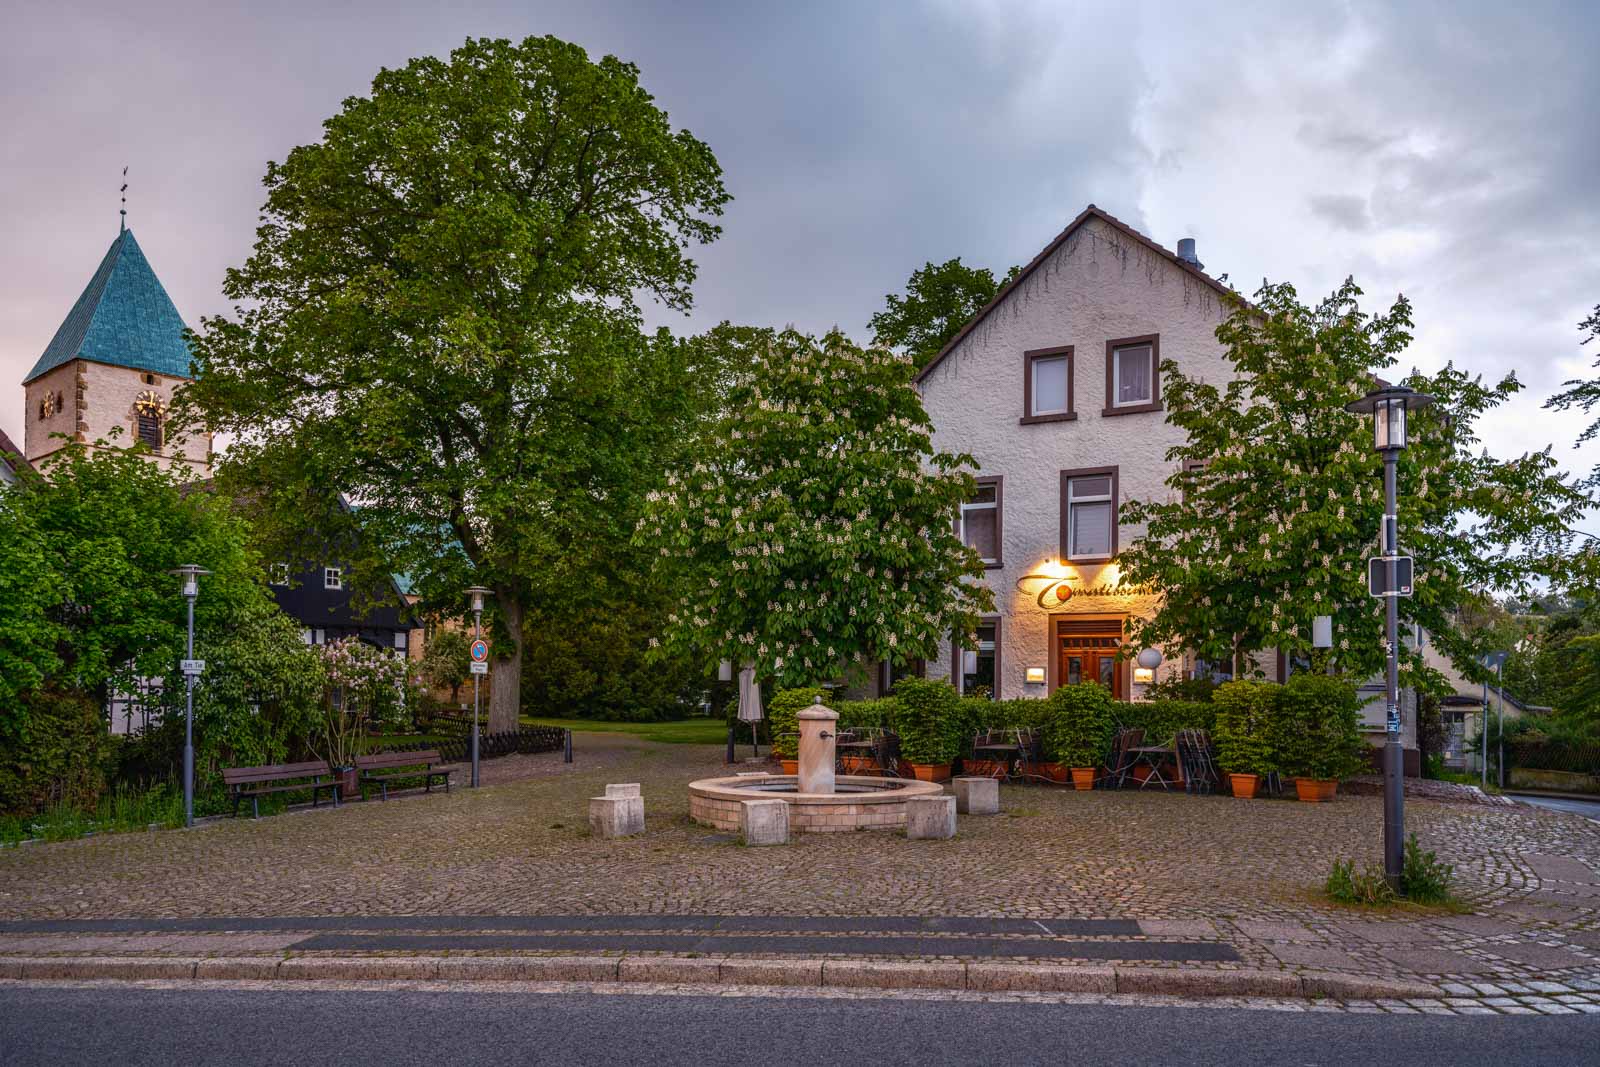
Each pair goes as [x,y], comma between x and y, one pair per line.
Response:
[1446,150]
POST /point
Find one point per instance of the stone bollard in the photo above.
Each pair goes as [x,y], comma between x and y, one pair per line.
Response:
[764,822]
[931,817]
[977,796]
[631,789]
[616,816]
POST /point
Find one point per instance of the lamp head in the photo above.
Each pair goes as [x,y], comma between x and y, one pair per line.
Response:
[1388,407]
[191,578]
[478,592]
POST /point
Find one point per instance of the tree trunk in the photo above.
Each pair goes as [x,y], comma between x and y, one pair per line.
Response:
[505,689]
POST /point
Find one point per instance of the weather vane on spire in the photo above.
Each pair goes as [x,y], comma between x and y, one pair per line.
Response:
[122,224]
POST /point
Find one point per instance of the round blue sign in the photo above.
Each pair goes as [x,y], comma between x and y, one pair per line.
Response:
[480,650]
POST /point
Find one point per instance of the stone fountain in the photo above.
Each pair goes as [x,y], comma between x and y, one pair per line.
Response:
[819,800]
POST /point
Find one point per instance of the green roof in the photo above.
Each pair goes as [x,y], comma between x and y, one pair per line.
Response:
[124,318]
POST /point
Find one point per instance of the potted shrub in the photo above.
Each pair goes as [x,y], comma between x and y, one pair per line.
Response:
[1244,724]
[1077,732]
[929,725]
[782,713]
[1317,734]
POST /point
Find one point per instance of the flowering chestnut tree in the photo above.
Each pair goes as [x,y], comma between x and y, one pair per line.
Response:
[817,529]
[1276,498]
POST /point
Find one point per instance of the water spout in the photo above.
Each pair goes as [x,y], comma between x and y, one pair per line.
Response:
[816,748]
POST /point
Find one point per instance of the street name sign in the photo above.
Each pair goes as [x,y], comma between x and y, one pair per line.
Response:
[192,666]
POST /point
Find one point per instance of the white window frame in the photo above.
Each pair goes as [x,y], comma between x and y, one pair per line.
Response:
[277,574]
[994,506]
[1116,375]
[1108,497]
[1066,393]
[333,577]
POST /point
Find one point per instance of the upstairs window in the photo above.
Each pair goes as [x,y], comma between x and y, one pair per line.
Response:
[980,521]
[332,578]
[1089,515]
[278,574]
[1047,385]
[1132,375]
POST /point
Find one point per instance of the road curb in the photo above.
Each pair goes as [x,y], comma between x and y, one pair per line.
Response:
[836,974]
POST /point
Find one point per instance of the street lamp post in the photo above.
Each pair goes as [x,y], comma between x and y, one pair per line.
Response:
[1493,661]
[1388,407]
[191,670]
[477,593]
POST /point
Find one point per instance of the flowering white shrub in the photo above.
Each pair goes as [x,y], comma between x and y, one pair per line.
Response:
[818,526]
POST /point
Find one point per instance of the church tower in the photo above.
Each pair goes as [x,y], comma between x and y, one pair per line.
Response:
[115,364]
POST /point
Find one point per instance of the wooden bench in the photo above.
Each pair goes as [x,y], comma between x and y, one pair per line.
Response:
[257,782]
[383,767]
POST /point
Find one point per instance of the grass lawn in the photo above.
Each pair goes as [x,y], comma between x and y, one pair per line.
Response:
[710,731]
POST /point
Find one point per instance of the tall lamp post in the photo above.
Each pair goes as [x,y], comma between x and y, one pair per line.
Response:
[1388,407]
[191,670]
[1495,661]
[477,593]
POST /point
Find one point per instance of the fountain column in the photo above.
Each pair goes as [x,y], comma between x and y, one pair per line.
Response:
[818,727]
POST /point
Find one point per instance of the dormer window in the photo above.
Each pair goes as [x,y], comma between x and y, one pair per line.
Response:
[278,574]
[332,578]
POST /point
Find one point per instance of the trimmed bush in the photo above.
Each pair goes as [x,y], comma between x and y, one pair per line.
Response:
[1243,735]
[783,712]
[1078,725]
[930,721]
[1316,731]
[876,714]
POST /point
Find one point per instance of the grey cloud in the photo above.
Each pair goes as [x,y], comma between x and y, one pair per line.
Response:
[1345,212]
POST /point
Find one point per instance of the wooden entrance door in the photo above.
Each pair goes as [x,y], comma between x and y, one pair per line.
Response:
[1091,658]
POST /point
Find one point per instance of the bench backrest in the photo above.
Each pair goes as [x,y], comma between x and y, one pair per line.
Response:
[274,772]
[378,760]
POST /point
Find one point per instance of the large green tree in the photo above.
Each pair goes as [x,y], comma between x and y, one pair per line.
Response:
[440,320]
[1581,392]
[1277,494]
[940,298]
[815,528]
[85,552]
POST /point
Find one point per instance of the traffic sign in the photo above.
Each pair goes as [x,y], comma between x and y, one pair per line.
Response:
[1378,576]
[480,651]
[479,667]
[192,666]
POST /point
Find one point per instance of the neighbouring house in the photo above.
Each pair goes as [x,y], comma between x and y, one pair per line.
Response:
[113,367]
[1055,389]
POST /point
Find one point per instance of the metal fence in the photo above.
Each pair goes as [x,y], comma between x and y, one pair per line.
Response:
[529,739]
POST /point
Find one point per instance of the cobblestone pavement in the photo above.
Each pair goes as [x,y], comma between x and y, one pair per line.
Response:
[1201,869]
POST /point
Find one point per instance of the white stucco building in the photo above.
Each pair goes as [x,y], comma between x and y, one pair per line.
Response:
[1054,390]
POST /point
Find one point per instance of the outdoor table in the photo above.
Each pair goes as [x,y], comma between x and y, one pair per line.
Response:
[1153,756]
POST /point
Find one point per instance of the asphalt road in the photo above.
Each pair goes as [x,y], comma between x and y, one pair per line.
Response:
[127,1027]
[1590,808]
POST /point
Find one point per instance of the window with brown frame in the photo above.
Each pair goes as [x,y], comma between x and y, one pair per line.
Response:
[981,520]
[1133,378]
[1047,385]
[1089,515]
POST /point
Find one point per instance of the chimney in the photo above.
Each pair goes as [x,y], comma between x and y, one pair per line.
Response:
[1186,253]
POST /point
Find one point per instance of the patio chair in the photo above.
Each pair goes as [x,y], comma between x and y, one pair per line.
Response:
[1122,759]
[887,750]
[1030,748]
[1195,758]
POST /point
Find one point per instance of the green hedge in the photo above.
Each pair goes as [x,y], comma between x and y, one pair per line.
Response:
[1078,725]
[1246,714]
[929,722]
[65,760]
[1162,719]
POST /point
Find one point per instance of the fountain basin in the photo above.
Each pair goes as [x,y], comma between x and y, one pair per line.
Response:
[858,802]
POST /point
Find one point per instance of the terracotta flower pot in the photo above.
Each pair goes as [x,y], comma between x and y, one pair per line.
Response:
[1053,772]
[1244,785]
[790,766]
[1316,790]
[1083,778]
[983,768]
[930,772]
[858,765]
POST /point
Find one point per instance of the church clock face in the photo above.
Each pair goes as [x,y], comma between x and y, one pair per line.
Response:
[149,404]
[49,405]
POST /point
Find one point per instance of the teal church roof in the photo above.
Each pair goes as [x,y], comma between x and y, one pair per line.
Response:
[124,318]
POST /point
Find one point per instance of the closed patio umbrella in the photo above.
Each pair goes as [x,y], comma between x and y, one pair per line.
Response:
[750,704]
